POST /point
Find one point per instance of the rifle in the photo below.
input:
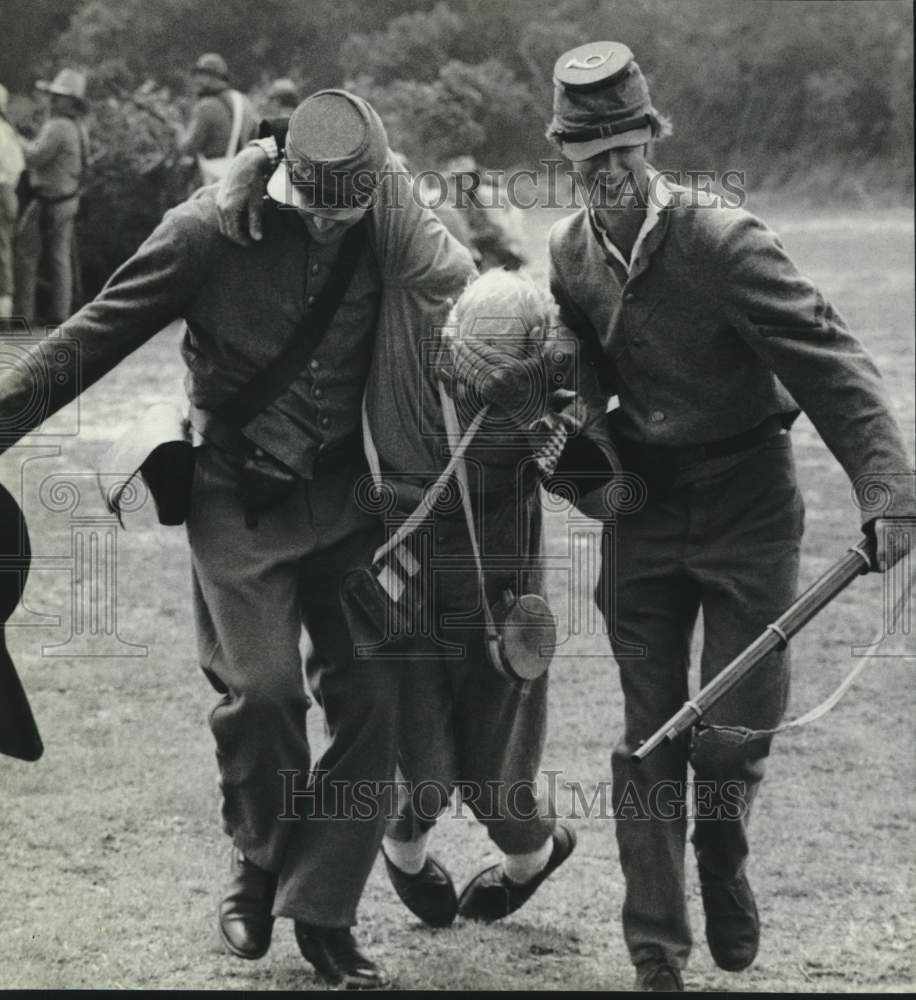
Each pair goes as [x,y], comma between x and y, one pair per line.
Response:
[857,561]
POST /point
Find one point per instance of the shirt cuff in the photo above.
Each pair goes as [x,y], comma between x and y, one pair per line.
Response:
[270,147]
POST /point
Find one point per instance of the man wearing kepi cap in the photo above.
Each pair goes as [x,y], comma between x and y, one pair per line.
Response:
[692,315]
[222,120]
[274,525]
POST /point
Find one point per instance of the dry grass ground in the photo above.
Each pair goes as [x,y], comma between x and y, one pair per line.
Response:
[113,859]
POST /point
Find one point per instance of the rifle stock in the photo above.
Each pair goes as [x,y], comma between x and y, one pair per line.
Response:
[855,562]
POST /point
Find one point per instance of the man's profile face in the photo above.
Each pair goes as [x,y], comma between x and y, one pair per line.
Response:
[327,225]
[615,175]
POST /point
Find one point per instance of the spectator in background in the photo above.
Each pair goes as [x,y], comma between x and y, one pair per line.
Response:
[476,212]
[222,121]
[12,163]
[282,98]
[56,162]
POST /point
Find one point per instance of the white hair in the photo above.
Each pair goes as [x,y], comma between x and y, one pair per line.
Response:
[501,304]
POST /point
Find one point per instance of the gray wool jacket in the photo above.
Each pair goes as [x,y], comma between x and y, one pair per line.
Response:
[242,305]
[713,331]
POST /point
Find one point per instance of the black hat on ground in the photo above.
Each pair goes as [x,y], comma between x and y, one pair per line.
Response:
[19,735]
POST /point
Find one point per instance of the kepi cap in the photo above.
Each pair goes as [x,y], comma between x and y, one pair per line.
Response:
[601,100]
[214,64]
[284,90]
[336,147]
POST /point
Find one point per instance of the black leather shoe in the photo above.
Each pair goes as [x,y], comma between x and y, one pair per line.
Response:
[492,895]
[338,959]
[429,894]
[245,921]
[658,976]
[732,922]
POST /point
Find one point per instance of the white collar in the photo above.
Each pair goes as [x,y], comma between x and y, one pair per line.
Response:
[660,196]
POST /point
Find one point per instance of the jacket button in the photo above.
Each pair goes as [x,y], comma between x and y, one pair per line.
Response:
[319,392]
[656,416]
[629,296]
[310,301]
[314,365]
[315,268]
[259,452]
[325,421]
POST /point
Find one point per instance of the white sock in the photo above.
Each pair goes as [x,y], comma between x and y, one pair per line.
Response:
[521,868]
[408,855]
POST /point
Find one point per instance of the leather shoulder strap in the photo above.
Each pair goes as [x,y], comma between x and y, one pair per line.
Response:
[271,382]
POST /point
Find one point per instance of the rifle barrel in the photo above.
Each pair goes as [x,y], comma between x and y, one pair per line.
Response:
[777,635]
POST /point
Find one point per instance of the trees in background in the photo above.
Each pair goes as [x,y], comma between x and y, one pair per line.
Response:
[816,92]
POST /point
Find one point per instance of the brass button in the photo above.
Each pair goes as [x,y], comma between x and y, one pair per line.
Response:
[656,416]
[319,393]
[325,421]
[629,297]
[310,301]
[314,365]
[315,268]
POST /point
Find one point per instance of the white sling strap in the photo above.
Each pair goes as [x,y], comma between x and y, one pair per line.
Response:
[237,113]
[390,578]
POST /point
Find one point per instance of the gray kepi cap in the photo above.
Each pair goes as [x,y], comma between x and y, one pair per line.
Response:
[600,101]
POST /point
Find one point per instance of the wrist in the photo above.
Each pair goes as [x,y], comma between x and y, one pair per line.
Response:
[269,148]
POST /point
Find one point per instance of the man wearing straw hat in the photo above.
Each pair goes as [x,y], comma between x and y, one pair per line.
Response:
[56,162]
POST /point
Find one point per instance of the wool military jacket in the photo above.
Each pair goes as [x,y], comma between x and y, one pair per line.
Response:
[714,330]
[242,305]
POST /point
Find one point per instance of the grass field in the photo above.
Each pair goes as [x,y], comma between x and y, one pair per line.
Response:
[113,859]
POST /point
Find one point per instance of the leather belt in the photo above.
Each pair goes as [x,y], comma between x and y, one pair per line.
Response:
[639,456]
[692,454]
[222,434]
[218,432]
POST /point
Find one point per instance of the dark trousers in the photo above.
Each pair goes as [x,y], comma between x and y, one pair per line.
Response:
[465,727]
[46,231]
[8,207]
[726,542]
[318,826]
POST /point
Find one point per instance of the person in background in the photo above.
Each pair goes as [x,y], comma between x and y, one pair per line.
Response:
[56,162]
[474,210]
[282,98]
[222,120]
[494,224]
[12,163]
